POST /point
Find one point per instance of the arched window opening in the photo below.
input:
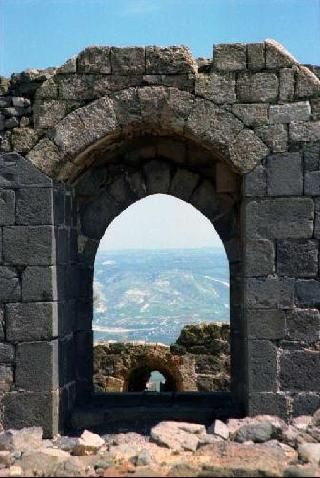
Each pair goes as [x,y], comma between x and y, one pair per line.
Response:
[161,279]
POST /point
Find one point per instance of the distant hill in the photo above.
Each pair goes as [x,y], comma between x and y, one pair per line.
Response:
[151,294]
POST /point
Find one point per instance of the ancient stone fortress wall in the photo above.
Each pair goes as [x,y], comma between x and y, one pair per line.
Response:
[237,136]
[198,361]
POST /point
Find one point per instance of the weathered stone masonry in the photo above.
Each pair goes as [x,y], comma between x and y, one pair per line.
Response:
[237,136]
[198,361]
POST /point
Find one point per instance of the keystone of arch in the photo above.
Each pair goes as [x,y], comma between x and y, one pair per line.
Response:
[153,110]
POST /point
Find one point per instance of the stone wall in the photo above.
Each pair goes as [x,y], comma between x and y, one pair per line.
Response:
[198,361]
[237,136]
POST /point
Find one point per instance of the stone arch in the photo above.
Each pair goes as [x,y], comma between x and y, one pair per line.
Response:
[154,110]
[253,111]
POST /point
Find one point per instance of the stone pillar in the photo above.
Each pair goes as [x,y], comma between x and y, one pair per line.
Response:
[36,360]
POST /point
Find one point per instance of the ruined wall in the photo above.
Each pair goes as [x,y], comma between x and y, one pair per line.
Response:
[199,360]
[237,136]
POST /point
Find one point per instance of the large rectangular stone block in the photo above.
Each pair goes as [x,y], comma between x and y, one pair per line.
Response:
[256,56]
[262,366]
[304,130]
[285,174]
[7,207]
[257,87]
[34,206]
[26,409]
[279,218]
[306,403]
[269,293]
[259,258]
[17,172]
[230,57]
[220,88]
[267,324]
[307,293]
[29,245]
[169,60]
[303,325]
[129,60]
[255,182]
[275,136]
[311,156]
[298,258]
[286,113]
[10,290]
[312,183]
[300,371]
[252,114]
[286,88]
[32,321]
[42,283]
[37,366]
[268,403]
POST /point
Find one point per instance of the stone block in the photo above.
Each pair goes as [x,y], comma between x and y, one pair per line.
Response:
[29,245]
[94,59]
[286,86]
[17,172]
[297,258]
[34,206]
[31,321]
[169,60]
[304,130]
[7,353]
[306,403]
[183,184]
[226,180]
[269,324]
[71,88]
[10,290]
[37,366]
[269,293]
[257,87]
[268,403]
[256,56]
[262,366]
[83,341]
[230,57]
[285,113]
[255,182]
[47,113]
[259,258]
[307,84]
[219,88]
[247,151]
[157,177]
[25,409]
[277,56]
[275,136]
[7,207]
[299,371]
[303,325]
[252,114]
[307,293]
[45,156]
[312,183]
[279,218]
[285,174]
[130,60]
[311,156]
[23,139]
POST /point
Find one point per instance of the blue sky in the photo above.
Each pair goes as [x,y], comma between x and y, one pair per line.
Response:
[42,33]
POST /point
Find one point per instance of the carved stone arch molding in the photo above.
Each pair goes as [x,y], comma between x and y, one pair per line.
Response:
[237,136]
